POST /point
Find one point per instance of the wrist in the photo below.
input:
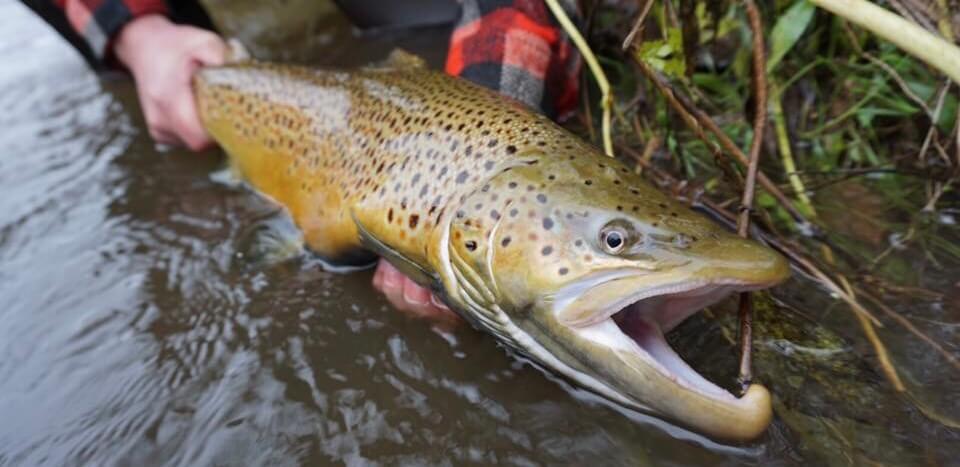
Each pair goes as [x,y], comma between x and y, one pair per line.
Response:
[133,41]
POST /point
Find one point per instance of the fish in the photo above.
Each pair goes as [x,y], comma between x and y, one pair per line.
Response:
[563,254]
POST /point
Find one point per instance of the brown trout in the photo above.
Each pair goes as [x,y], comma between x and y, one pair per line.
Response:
[531,234]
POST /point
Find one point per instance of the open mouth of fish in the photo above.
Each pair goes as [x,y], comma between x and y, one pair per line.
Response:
[622,324]
[646,322]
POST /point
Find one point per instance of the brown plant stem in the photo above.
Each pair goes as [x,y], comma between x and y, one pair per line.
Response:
[746,204]
[698,120]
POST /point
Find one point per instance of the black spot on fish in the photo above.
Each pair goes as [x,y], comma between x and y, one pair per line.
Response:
[547,223]
[414,219]
[511,149]
[546,250]
[470,245]
[588,182]
[505,241]
[494,215]
[542,198]
[390,215]
[462,177]
[563,271]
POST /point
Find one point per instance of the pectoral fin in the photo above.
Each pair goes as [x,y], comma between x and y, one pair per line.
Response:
[405,265]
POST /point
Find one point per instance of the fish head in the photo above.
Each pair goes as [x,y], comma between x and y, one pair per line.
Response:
[586,266]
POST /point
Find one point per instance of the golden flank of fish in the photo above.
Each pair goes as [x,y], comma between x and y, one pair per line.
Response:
[531,234]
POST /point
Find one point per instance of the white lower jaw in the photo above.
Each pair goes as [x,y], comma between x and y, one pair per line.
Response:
[646,323]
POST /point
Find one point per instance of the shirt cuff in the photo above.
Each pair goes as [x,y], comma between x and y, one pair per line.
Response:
[99,21]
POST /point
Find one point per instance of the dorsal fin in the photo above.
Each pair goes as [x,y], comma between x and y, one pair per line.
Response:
[237,52]
[400,58]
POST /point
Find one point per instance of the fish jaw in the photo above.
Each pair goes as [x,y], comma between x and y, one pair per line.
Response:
[618,349]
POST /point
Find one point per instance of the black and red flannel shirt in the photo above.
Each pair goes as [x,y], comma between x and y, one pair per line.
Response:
[512,46]
[516,48]
[91,25]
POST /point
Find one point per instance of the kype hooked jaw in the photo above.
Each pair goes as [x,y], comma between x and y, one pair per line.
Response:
[620,320]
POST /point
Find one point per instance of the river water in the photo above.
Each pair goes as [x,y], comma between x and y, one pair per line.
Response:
[135,329]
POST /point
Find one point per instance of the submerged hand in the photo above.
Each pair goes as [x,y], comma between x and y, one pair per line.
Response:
[406,295]
[162,57]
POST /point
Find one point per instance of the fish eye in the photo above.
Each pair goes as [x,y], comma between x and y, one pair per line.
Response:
[613,238]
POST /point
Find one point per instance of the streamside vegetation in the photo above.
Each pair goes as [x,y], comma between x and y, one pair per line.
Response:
[827,129]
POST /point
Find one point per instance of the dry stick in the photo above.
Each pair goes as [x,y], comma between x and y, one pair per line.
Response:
[852,37]
[906,323]
[637,25]
[882,355]
[746,204]
[697,120]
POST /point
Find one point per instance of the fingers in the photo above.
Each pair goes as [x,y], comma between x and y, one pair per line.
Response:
[187,125]
[163,58]
[210,50]
[408,296]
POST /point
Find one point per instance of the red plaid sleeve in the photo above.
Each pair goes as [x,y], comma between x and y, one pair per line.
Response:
[97,21]
[516,48]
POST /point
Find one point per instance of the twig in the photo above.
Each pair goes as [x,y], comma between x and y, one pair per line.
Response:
[882,355]
[910,37]
[697,120]
[652,145]
[852,37]
[637,25]
[606,100]
[903,321]
[746,204]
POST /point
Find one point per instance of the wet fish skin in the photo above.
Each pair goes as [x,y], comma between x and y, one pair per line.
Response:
[495,207]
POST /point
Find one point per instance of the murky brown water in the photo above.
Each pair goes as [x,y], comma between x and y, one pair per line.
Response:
[135,331]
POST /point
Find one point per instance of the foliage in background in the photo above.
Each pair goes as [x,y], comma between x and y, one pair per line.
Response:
[850,116]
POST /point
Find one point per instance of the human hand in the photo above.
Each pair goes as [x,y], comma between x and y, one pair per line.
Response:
[406,295]
[162,57]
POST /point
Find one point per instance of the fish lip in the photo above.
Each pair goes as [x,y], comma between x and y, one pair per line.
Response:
[568,295]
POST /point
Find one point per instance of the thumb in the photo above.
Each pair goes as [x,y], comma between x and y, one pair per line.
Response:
[210,49]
